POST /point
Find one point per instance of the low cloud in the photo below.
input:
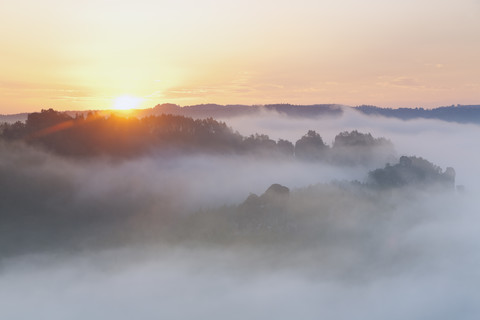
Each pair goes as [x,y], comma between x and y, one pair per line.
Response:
[90,238]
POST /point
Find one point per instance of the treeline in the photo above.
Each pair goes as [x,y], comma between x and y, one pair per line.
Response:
[93,135]
[412,171]
[312,212]
[459,113]
[228,111]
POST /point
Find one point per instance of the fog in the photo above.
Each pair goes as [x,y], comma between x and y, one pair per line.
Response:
[444,143]
[146,238]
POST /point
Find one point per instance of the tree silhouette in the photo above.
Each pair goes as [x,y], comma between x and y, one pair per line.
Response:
[310,147]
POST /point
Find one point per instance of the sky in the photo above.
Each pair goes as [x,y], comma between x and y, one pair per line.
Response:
[78,55]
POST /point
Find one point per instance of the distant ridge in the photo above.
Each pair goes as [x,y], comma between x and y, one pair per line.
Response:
[228,111]
[458,113]
[11,118]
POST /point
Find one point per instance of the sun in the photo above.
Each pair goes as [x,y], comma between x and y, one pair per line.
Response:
[126,102]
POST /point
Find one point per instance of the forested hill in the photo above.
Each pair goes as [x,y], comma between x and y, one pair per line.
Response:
[228,111]
[95,135]
[459,113]
[215,111]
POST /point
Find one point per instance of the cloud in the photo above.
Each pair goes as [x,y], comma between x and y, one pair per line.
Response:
[401,82]
[444,143]
[435,65]
[28,90]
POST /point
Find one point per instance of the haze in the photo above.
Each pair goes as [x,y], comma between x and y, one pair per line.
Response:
[306,209]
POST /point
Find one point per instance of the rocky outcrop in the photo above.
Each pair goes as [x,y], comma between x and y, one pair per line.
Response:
[266,211]
[275,196]
[412,171]
[356,148]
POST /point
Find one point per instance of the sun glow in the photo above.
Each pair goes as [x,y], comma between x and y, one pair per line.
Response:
[126,102]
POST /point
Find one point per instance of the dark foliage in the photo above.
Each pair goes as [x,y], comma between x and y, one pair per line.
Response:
[311,147]
[355,138]
[116,136]
[459,113]
[221,111]
[97,135]
[412,171]
[350,148]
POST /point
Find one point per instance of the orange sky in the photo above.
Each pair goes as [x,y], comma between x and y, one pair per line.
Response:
[65,54]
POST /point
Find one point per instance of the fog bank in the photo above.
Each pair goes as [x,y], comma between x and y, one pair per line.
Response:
[93,238]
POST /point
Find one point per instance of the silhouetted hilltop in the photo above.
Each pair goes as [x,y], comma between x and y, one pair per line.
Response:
[306,110]
[95,135]
[354,147]
[311,147]
[12,118]
[227,111]
[272,211]
[62,213]
[275,194]
[203,110]
[114,136]
[412,171]
[459,113]
[264,212]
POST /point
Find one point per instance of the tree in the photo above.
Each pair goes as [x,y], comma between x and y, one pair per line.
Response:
[310,147]
[285,147]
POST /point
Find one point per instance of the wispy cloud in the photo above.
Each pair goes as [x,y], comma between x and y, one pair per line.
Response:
[401,82]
